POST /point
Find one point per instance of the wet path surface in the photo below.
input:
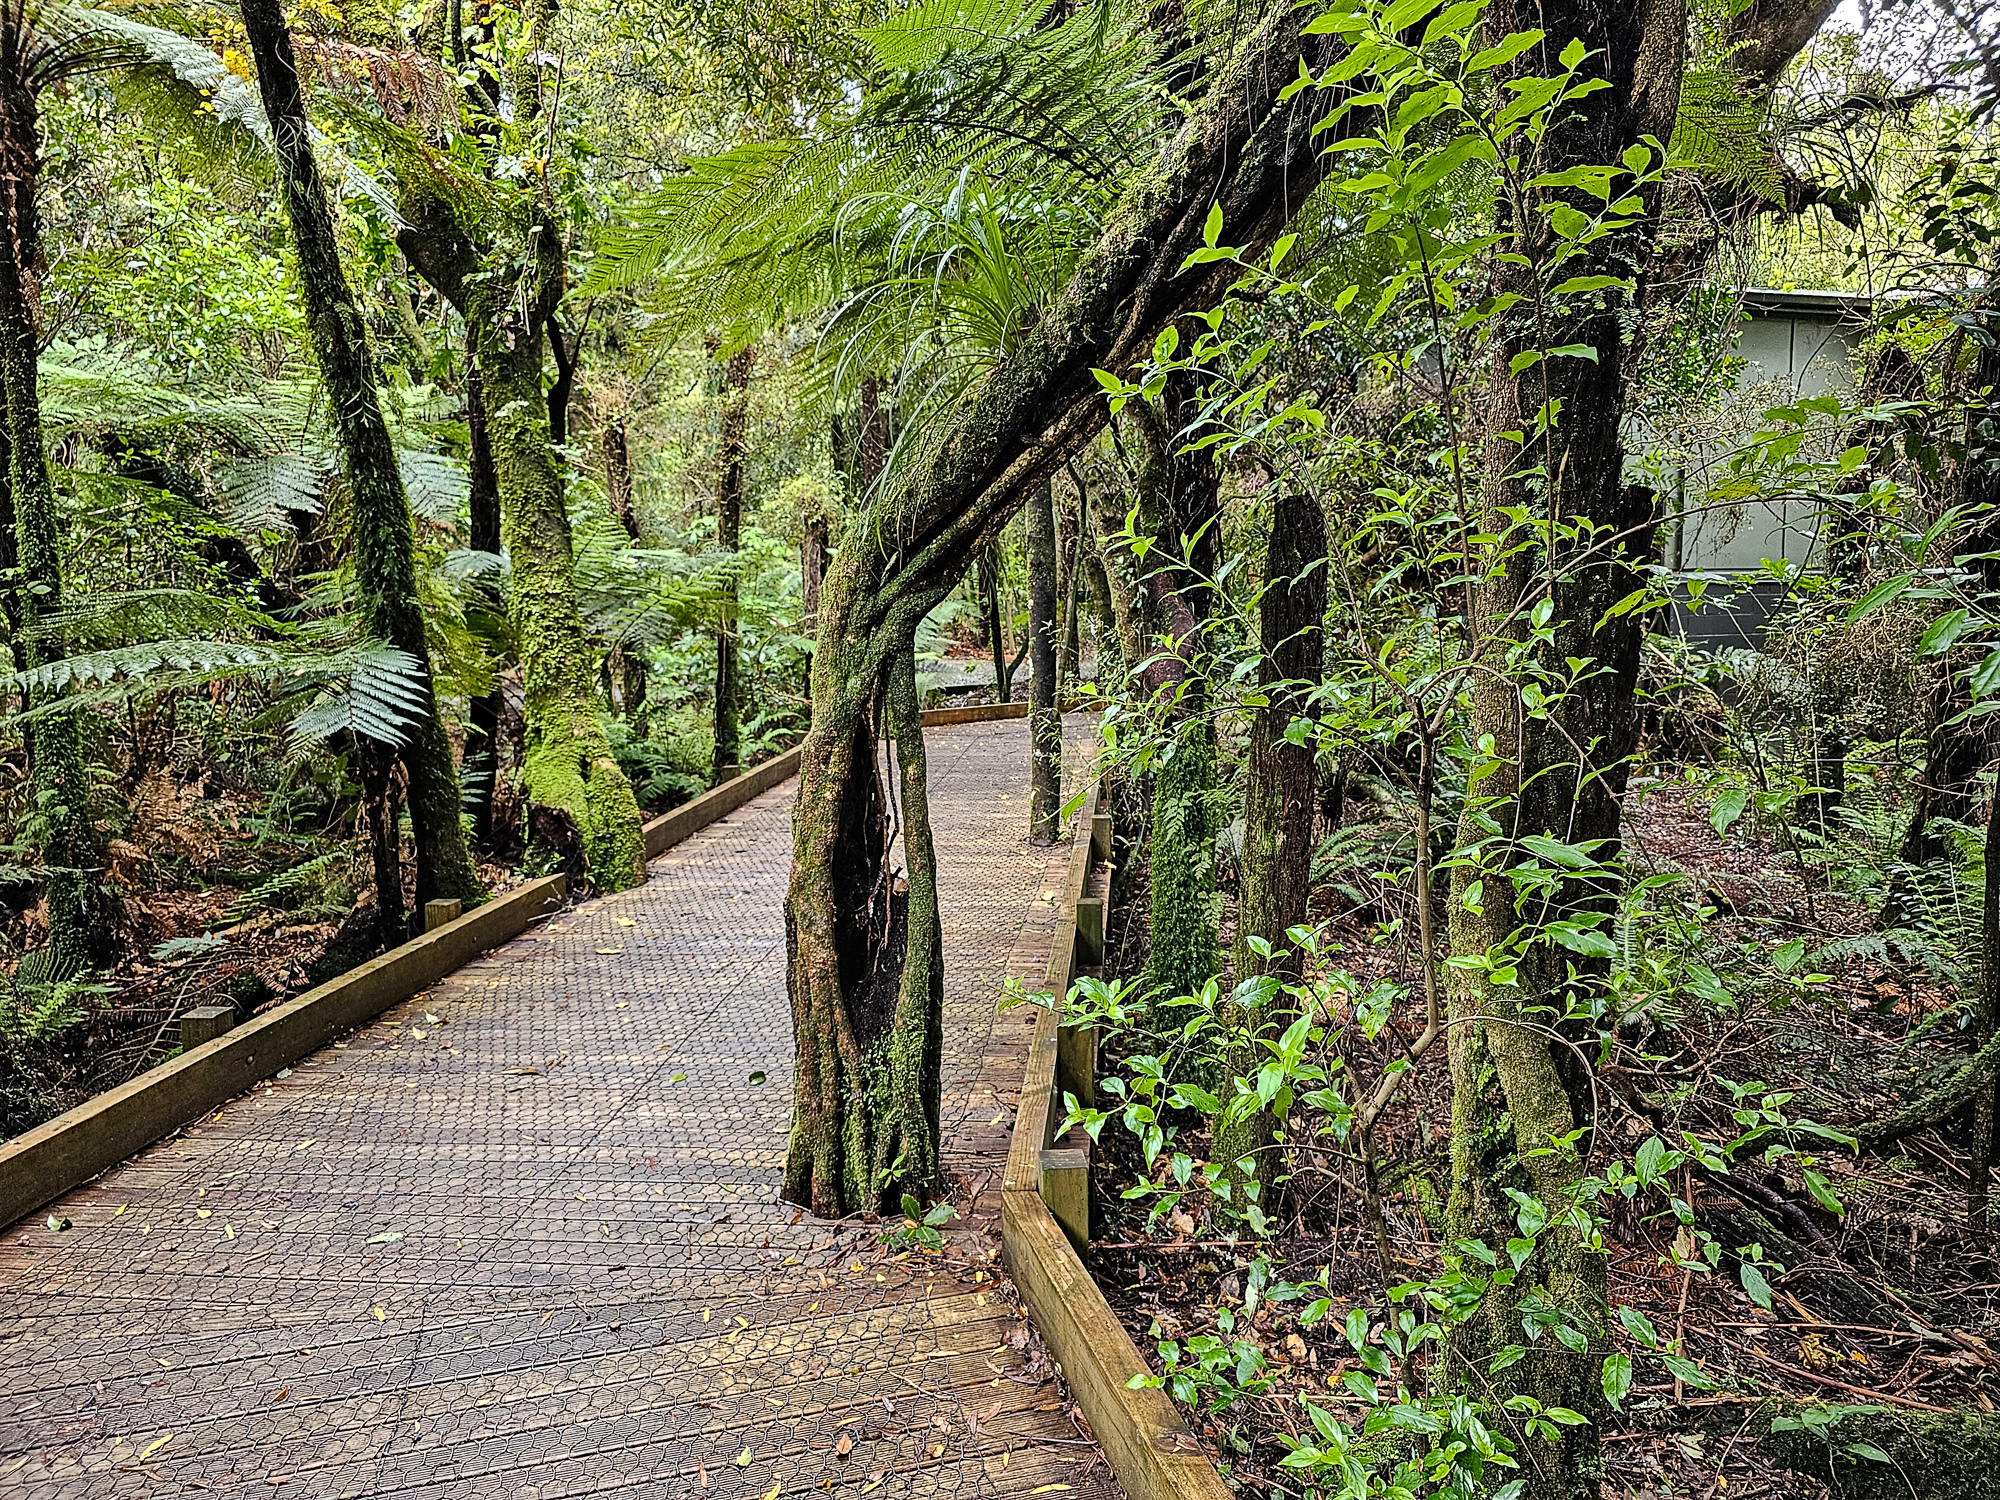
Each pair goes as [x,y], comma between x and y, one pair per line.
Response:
[521,1236]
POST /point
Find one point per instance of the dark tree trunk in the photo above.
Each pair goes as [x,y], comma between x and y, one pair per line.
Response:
[482,740]
[729,537]
[996,626]
[384,539]
[1959,746]
[618,487]
[627,663]
[1515,1089]
[1986,1019]
[1279,803]
[1177,507]
[904,554]
[377,768]
[812,573]
[60,823]
[1044,722]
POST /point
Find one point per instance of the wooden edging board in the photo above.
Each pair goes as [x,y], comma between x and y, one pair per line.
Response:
[54,1157]
[46,1162]
[1151,1451]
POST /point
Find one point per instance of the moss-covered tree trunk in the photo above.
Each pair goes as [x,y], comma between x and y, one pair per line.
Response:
[60,822]
[384,537]
[862,1130]
[866,960]
[728,538]
[497,258]
[1279,805]
[1521,1096]
[1044,722]
[568,764]
[1177,508]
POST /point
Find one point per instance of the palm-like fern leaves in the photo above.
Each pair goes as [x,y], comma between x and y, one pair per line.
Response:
[975,90]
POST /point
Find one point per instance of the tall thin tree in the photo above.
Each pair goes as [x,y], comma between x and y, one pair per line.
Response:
[384,537]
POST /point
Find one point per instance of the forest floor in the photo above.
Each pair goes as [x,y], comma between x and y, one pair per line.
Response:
[1894,1312]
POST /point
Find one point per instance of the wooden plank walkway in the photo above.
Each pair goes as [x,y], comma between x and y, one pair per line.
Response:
[521,1237]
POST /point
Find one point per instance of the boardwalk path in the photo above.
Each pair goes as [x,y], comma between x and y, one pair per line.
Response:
[520,1238]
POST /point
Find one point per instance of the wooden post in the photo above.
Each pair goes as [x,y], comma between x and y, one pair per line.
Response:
[1076,1062]
[1100,838]
[1066,1190]
[1090,931]
[204,1024]
[437,913]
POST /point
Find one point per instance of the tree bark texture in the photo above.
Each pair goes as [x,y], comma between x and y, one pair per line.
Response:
[61,821]
[488,613]
[502,268]
[910,545]
[870,1030]
[384,536]
[1279,802]
[728,539]
[1044,721]
[1518,1091]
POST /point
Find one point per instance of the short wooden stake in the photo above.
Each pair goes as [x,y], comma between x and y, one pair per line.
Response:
[437,913]
[1090,931]
[204,1024]
[1066,1190]
[1100,838]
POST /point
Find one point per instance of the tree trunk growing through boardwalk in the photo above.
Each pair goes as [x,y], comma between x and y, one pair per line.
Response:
[60,822]
[1279,802]
[482,741]
[1044,722]
[384,537]
[1518,1091]
[499,262]
[904,552]
[728,538]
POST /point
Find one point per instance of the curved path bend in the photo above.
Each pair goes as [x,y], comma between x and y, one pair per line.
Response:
[521,1236]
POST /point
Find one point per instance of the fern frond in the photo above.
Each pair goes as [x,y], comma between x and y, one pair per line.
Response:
[380,698]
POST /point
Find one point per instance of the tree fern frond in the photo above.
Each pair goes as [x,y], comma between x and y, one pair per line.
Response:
[436,483]
[381,698]
[264,493]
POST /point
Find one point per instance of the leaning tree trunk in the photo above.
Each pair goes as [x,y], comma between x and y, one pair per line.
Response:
[996,634]
[1044,722]
[902,554]
[728,538]
[60,823]
[1279,803]
[384,538]
[1518,1090]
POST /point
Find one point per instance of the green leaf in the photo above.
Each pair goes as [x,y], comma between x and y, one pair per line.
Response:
[1886,592]
[1573,54]
[1727,808]
[1689,1372]
[1755,1284]
[1211,231]
[1577,284]
[1984,679]
[1944,630]
[1504,51]
[1823,1193]
[1639,1326]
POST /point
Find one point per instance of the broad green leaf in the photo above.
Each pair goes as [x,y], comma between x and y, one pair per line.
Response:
[1727,808]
